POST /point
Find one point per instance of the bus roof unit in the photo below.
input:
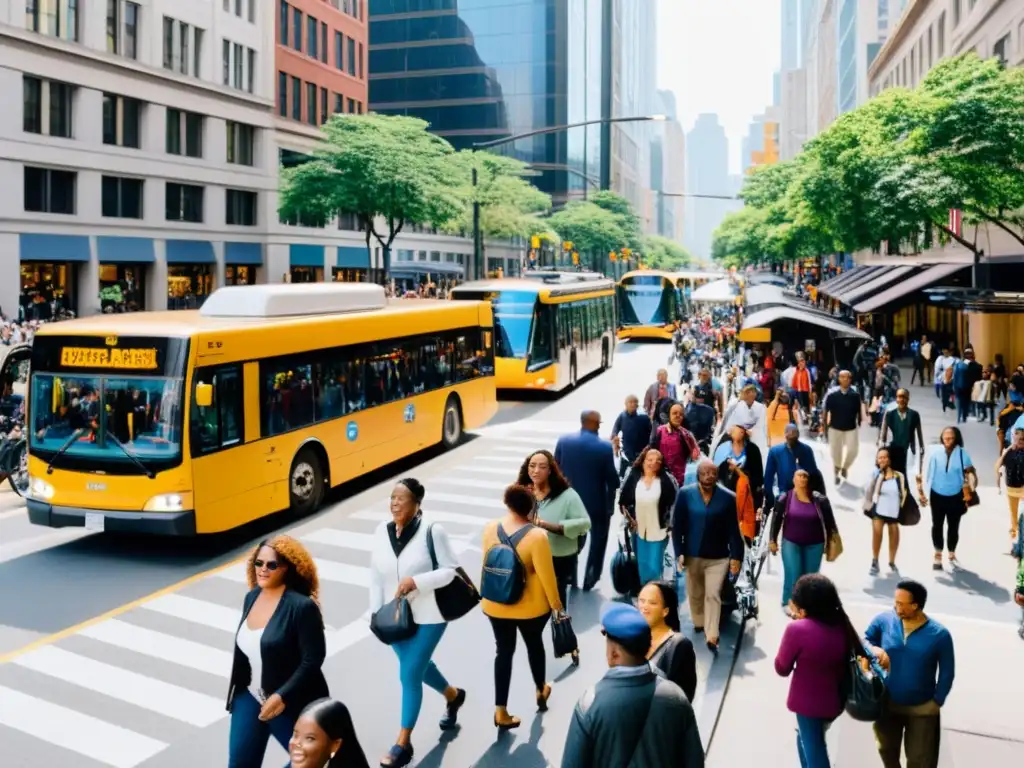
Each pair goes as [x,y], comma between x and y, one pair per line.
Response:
[287,300]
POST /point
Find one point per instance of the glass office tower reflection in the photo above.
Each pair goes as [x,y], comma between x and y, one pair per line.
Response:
[479,70]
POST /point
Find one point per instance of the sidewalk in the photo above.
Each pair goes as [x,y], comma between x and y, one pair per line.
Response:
[982,718]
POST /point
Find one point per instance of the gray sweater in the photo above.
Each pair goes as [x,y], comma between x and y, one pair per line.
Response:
[640,721]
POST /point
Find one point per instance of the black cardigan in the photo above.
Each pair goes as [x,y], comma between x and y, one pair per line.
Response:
[292,647]
[675,657]
[627,496]
[821,503]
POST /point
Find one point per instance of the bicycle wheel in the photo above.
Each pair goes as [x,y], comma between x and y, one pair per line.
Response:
[17,474]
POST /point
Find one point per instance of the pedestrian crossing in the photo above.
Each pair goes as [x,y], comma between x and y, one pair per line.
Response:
[159,666]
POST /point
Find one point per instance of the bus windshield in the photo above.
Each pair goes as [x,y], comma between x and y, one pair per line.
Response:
[141,412]
[513,318]
[646,301]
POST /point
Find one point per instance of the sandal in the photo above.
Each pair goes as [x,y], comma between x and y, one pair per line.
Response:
[542,698]
[506,725]
[451,713]
[397,757]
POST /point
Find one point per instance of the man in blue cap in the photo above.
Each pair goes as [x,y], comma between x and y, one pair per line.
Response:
[633,716]
[588,462]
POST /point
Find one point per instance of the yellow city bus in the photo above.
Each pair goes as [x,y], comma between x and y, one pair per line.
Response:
[197,422]
[551,329]
[649,305]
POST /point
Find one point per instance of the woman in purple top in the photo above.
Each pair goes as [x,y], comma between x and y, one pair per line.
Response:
[805,520]
[815,649]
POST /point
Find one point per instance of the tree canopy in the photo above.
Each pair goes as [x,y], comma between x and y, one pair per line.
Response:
[589,227]
[891,170]
[663,253]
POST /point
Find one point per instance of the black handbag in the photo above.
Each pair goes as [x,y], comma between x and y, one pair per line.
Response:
[393,622]
[563,637]
[460,596]
[624,568]
[865,693]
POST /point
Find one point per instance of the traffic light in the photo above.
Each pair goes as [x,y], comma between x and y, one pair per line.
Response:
[567,246]
[613,256]
[575,256]
[535,242]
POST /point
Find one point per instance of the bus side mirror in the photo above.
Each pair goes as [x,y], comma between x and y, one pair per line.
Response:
[204,395]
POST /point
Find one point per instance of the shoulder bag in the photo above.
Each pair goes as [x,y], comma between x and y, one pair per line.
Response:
[970,494]
[833,541]
[393,622]
[458,597]
[864,692]
[563,637]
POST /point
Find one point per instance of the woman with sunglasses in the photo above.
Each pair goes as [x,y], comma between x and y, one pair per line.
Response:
[279,649]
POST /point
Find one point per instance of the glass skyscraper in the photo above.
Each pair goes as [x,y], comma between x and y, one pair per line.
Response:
[480,70]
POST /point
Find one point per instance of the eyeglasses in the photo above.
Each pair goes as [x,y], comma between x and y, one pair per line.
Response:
[272,565]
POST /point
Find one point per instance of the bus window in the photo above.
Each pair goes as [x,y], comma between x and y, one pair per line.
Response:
[513,315]
[219,425]
[542,350]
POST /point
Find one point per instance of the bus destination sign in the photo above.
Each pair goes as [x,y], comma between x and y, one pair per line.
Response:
[99,357]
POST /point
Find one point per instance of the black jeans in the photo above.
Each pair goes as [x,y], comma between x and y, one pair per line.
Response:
[947,511]
[596,554]
[505,630]
[565,575]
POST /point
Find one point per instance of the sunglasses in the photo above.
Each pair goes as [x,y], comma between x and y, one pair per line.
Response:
[272,565]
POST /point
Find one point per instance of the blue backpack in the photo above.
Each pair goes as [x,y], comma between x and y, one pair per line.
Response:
[504,575]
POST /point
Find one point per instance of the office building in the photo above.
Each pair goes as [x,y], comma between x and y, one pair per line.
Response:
[793,113]
[477,75]
[138,160]
[707,173]
[668,170]
[790,35]
[858,31]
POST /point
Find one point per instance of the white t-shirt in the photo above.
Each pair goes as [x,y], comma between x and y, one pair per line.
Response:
[648,524]
[248,641]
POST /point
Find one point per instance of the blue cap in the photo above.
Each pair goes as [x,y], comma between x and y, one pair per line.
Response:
[624,622]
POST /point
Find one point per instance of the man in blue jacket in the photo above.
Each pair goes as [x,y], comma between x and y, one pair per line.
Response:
[588,463]
[783,462]
[631,433]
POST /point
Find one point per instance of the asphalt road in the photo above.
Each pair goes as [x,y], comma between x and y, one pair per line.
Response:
[141,683]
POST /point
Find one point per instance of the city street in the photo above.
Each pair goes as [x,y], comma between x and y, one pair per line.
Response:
[145,684]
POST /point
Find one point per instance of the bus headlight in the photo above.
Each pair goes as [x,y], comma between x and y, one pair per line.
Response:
[169,502]
[40,489]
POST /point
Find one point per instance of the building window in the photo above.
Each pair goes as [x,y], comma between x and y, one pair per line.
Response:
[338,103]
[183,202]
[32,109]
[351,106]
[238,8]
[282,94]
[339,51]
[189,125]
[49,191]
[182,47]
[122,121]
[240,207]
[55,18]
[297,29]
[351,56]
[359,107]
[283,23]
[323,105]
[168,43]
[239,67]
[1001,50]
[359,61]
[296,99]
[241,142]
[123,28]
[348,221]
[957,10]
[940,33]
[311,103]
[226,55]
[61,100]
[32,15]
[323,42]
[183,35]
[250,75]
[122,198]
[311,36]
[252,11]
[197,48]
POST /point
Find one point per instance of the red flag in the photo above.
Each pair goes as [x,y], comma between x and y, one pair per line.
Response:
[956,221]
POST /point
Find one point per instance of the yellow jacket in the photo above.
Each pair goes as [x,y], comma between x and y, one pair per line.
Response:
[540,595]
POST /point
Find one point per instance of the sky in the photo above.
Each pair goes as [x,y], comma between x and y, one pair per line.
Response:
[719,56]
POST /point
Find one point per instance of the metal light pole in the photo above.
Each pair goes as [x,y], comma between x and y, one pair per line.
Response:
[478,245]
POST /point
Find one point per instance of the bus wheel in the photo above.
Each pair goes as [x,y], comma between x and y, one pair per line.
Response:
[305,483]
[451,424]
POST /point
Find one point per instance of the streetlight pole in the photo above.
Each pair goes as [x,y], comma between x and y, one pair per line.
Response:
[478,244]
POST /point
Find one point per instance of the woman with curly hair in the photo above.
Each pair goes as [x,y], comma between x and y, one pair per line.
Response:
[279,649]
[647,497]
[560,512]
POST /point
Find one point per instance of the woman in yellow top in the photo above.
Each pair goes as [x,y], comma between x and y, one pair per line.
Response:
[530,614]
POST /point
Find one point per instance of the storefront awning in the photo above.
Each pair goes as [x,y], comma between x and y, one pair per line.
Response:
[190,252]
[765,317]
[923,279]
[718,291]
[420,268]
[305,255]
[125,250]
[243,253]
[832,286]
[352,257]
[885,277]
[34,247]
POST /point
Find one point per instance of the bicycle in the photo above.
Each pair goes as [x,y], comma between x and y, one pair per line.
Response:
[14,460]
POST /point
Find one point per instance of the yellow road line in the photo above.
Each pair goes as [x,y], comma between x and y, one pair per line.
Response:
[57,636]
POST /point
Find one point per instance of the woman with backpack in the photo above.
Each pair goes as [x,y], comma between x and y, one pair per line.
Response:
[401,566]
[519,592]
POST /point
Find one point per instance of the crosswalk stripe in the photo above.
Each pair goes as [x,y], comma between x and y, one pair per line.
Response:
[327,570]
[527,443]
[508,449]
[145,692]
[148,642]
[512,462]
[363,542]
[431,516]
[545,427]
[483,469]
[88,736]
[488,502]
[197,611]
[491,485]
[347,636]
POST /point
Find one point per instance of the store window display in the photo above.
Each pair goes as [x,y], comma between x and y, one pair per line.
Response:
[47,291]
[188,285]
[122,288]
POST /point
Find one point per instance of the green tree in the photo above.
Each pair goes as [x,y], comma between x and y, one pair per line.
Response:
[510,206]
[380,168]
[592,229]
[662,253]
[626,216]
[742,237]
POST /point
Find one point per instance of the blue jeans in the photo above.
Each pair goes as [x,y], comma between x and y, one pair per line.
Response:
[963,406]
[415,669]
[248,735]
[650,558]
[796,561]
[810,741]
